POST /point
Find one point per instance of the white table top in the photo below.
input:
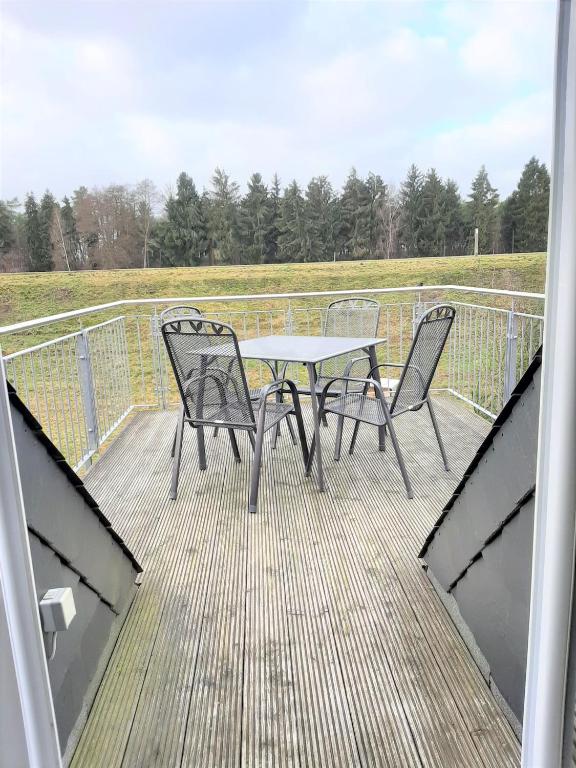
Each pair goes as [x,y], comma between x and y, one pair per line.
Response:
[303,349]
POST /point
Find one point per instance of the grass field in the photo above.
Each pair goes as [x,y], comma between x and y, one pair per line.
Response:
[27,295]
[48,378]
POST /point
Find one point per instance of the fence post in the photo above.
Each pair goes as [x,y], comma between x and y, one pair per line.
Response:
[510,355]
[417,310]
[87,389]
[157,359]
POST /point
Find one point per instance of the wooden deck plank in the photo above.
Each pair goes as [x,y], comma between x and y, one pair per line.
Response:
[305,635]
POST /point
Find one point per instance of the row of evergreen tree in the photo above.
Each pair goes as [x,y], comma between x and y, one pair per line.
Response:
[121,226]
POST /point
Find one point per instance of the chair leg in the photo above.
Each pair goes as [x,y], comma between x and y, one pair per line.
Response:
[215,433]
[291,429]
[357,425]
[300,425]
[252,441]
[180,416]
[338,446]
[311,453]
[403,470]
[354,436]
[255,470]
[177,456]
[438,435]
[276,434]
[201,448]
[234,445]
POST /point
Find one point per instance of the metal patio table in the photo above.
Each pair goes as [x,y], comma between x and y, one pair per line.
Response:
[311,351]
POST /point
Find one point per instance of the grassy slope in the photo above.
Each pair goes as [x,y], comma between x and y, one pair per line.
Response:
[27,295]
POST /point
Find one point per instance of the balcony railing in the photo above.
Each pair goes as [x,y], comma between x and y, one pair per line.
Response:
[83,383]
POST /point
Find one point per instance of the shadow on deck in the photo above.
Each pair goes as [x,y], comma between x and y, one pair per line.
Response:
[305,635]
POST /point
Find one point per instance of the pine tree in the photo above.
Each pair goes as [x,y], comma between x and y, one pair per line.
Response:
[224,233]
[35,243]
[454,241]
[376,192]
[292,238]
[482,212]
[525,211]
[184,236]
[254,221]
[319,220]
[409,233]
[69,241]
[7,234]
[354,218]
[273,232]
[46,217]
[432,216]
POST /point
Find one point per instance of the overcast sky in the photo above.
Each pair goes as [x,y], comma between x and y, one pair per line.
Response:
[99,92]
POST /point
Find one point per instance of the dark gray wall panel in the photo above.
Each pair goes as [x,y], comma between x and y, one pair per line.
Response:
[61,516]
[79,649]
[494,599]
[72,546]
[504,474]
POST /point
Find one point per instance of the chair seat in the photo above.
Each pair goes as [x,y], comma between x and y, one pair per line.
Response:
[275,412]
[354,405]
[233,413]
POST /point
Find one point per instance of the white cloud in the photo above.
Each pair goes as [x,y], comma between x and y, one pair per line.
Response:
[164,147]
[504,40]
[375,85]
[504,143]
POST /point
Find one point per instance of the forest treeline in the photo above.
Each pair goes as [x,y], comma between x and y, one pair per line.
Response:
[134,226]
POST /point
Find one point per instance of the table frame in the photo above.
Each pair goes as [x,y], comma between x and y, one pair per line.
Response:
[249,350]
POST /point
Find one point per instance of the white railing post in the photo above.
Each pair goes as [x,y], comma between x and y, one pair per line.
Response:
[32,710]
[510,354]
[87,390]
[158,360]
[549,698]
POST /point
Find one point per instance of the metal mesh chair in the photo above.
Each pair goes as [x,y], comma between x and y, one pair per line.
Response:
[187,310]
[208,367]
[182,310]
[410,395]
[348,318]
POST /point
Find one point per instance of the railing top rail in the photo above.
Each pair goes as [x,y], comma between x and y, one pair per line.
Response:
[60,339]
[27,324]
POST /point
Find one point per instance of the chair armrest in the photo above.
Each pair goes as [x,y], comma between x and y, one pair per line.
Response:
[351,363]
[274,386]
[350,379]
[398,365]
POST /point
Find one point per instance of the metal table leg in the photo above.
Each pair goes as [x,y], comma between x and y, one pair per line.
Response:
[373,363]
[314,401]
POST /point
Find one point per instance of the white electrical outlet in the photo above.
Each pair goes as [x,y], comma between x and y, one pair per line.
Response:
[57,609]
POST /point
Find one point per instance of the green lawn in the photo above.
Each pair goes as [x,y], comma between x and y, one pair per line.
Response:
[28,295]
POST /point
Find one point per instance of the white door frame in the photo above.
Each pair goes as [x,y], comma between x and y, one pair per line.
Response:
[20,606]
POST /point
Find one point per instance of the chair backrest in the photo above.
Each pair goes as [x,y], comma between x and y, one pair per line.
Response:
[182,310]
[352,317]
[429,340]
[208,367]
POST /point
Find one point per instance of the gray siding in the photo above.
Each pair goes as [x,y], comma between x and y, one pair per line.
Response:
[79,649]
[494,600]
[479,554]
[503,475]
[72,545]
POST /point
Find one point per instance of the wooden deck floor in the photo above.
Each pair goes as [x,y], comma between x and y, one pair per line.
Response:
[306,635]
